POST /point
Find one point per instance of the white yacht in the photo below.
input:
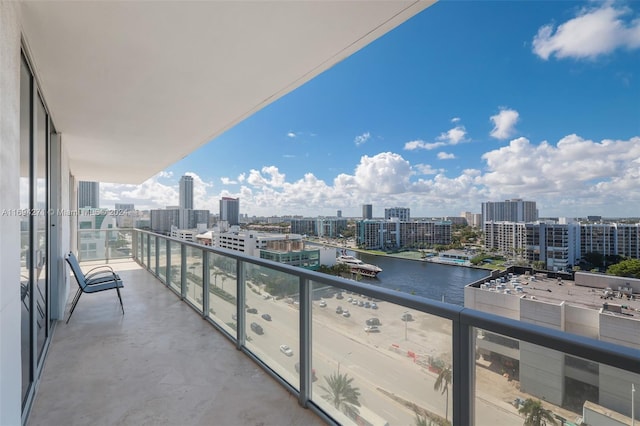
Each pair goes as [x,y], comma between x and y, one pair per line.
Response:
[358,266]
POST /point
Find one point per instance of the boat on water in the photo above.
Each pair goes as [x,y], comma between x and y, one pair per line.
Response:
[358,266]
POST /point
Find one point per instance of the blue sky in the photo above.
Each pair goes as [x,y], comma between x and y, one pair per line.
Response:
[464,103]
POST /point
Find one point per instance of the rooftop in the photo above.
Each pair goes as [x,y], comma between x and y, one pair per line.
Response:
[557,291]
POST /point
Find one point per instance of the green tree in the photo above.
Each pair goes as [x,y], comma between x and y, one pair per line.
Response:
[627,268]
[594,258]
[341,393]
[539,265]
[535,414]
[442,384]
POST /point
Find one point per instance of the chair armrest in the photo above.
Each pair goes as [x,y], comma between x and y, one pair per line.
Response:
[107,270]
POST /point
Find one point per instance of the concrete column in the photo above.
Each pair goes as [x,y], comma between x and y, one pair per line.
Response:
[10,359]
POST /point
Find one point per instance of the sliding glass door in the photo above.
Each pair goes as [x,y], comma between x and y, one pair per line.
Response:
[35,135]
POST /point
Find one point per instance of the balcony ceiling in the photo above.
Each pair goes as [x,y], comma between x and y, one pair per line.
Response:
[136,86]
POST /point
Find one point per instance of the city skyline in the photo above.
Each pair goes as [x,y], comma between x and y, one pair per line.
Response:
[538,101]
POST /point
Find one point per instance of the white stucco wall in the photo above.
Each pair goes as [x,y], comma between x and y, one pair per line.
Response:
[541,313]
[615,390]
[506,305]
[542,372]
[581,321]
[541,369]
[623,331]
[589,279]
[10,362]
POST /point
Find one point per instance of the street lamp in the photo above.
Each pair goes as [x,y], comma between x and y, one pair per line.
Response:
[633,414]
[342,359]
[406,320]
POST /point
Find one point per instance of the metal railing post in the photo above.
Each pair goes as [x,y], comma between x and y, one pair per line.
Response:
[205,284]
[156,261]
[183,271]
[305,341]
[167,271]
[463,372]
[240,302]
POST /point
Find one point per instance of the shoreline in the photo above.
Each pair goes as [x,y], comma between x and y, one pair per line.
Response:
[370,253]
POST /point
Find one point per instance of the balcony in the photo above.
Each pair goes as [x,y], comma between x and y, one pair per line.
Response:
[201,343]
[158,364]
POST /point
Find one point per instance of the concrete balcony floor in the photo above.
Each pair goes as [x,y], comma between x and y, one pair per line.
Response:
[158,364]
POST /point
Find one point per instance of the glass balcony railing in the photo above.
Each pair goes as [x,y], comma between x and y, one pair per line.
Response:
[103,245]
[362,355]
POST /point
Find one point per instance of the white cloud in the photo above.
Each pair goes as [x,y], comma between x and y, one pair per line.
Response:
[453,136]
[455,120]
[361,139]
[572,176]
[291,134]
[273,177]
[575,170]
[504,123]
[593,32]
[228,181]
[419,144]
[426,169]
[446,156]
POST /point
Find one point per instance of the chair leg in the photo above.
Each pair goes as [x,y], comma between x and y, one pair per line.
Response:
[120,297]
[75,302]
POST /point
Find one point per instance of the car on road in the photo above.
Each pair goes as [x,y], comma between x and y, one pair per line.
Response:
[339,310]
[372,329]
[256,328]
[354,302]
[373,321]
[252,311]
[313,372]
[350,299]
[374,305]
[346,314]
[266,317]
[367,304]
[322,304]
[407,317]
[360,303]
[285,349]
[339,296]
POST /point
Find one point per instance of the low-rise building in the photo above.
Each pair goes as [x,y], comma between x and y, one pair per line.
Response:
[596,306]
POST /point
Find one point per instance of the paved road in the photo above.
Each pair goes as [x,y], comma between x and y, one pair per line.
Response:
[341,343]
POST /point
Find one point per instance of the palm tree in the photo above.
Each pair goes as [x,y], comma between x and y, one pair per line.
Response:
[536,414]
[341,393]
[442,384]
[422,421]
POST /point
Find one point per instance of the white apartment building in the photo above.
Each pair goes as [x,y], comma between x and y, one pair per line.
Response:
[562,245]
[390,234]
[403,214]
[251,242]
[514,210]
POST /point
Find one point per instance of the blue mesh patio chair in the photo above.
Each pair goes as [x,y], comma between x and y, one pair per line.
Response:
[100,278]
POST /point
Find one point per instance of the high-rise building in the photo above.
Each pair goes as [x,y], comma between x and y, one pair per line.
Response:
[514,210]
[230,210]
[125,215]
[186,192]
[88,195]
[402,213]
[367,211]
[339,213]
